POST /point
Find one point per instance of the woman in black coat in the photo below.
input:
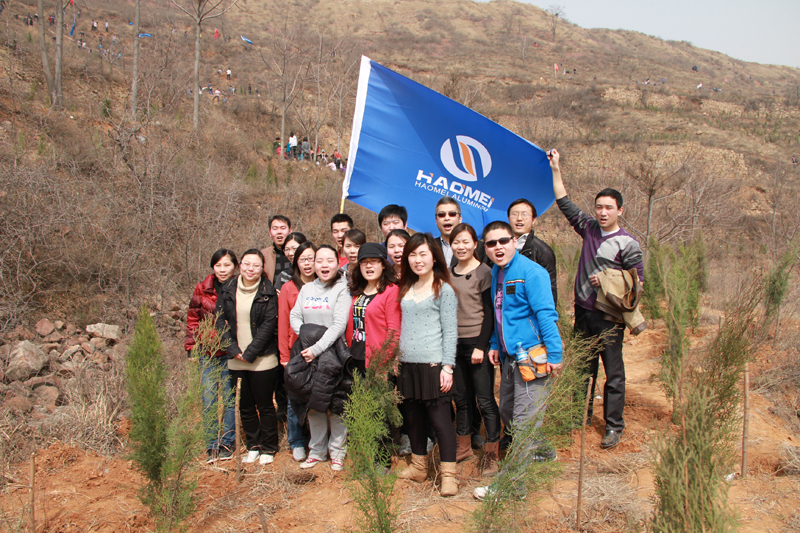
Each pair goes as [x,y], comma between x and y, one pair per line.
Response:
[249,306]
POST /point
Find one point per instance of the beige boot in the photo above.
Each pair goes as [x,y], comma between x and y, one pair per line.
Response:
[449,484]
[491,452]
[417,470]
[463,448]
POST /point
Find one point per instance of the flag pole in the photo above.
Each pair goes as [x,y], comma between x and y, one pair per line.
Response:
[341,207]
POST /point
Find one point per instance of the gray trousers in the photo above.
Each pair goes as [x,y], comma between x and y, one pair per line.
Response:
[521,400]
[326,438]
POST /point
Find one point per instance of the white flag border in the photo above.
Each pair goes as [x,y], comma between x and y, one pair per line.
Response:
[358,117]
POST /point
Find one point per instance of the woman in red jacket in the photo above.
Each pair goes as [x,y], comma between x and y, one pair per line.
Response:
[375,312]
[215,369]
[302,273]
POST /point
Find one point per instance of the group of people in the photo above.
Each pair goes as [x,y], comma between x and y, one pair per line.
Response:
[304,151]
[302,319]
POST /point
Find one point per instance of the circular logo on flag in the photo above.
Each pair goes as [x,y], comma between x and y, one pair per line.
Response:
[467,148]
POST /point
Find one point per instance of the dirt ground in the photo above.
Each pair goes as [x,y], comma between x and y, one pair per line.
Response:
[79,491]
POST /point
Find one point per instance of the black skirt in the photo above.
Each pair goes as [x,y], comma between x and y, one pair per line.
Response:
[421,382]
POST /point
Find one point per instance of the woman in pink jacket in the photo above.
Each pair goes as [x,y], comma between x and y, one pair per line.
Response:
[375,312]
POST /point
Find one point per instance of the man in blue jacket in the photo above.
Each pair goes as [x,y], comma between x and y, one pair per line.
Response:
[524,314]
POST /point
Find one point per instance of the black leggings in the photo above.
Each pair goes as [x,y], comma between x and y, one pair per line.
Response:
[259,422]
[438,415]
[474,384]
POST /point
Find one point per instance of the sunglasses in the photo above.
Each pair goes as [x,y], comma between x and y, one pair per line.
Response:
[495,242]
[451,214]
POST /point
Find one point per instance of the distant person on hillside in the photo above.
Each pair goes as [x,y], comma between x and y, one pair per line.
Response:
[605,246]
[794,161]
[293,144]
[106,26]
[305,148]
[228,74]
[337,158]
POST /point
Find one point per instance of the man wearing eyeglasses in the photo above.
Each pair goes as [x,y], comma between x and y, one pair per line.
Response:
[605,245]
[525,318]
[522,217]
[448,216]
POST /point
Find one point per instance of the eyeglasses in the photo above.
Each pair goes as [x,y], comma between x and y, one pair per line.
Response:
[451,214]
[495,242]
[522,214]
[305,260]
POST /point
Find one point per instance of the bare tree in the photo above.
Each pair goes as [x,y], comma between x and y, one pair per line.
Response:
[59,101]
[135,73]
[556,15]
[48,76]
[286,63]
[201,11]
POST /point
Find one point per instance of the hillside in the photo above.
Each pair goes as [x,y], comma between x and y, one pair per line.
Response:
[101,214]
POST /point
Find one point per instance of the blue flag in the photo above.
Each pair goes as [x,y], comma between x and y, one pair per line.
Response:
[411,146]
[144,35]
[245,39]
[73,26]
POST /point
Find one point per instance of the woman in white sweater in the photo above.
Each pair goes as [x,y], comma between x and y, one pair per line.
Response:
[325,302]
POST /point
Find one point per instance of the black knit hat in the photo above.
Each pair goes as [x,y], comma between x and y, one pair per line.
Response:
[371,249]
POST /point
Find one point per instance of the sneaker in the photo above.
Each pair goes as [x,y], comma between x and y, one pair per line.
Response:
[213,455]
[544,456]
[405,446]
[337,465]
[251,457]
[311,462]
[266,458]
[480,493]
[299,454]
[225,453]
[610,439]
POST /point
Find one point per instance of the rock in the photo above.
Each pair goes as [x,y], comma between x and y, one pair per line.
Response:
[53,337]
[22,333]
[59,324]
[52,380]
[44,327]
[18,403]
[47,396]
[2,376]
[99,343]
[53,355]
[5,351]
[70,329]
[26,360]
[69,352]
[86,347]
[175,307]
[107,331]
[98,358]
[19,389]
[68,367]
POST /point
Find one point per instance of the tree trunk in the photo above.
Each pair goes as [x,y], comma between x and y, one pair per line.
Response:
[135,74]
[59,52]
[48,76]
[196,114]
[647,230]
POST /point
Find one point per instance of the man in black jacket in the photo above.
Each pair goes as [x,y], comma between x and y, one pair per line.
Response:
[522,216]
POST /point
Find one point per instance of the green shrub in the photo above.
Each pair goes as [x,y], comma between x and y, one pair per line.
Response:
[372,405]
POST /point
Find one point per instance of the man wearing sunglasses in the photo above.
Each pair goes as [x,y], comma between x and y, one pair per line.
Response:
[448,216]
[605,245]
[525,316]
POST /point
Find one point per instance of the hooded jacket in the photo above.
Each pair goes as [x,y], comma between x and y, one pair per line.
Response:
[528,313]
[325,382]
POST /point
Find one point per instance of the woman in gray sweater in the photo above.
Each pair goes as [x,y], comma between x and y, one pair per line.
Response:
[325,302]
[428,335]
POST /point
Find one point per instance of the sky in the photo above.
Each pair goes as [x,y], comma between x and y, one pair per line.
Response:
[766,31]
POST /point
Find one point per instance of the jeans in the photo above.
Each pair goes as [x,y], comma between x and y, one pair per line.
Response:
[590,324]
[294,431]
[475,382]
[259,422]
[328,435]
[215,376]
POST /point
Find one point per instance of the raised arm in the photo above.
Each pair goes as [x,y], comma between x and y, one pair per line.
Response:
[558,184]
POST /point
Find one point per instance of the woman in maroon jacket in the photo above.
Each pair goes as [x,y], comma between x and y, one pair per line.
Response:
[215,369]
